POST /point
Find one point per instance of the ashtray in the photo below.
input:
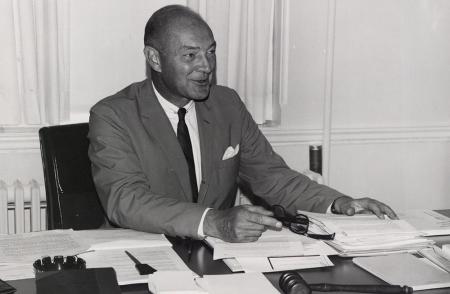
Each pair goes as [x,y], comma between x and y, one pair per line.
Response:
[58,263]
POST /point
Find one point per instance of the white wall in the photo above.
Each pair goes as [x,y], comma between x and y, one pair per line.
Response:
[106,44]
[390,97]
[390,91]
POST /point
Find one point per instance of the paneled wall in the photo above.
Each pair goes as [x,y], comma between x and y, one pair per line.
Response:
[382,64]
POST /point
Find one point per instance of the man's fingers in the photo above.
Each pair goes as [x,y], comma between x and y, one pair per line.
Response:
[389,212]
[375,208]
[263,220]
[350,211]
[258,209]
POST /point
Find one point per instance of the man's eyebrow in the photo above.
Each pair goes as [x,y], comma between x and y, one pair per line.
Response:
[187,47]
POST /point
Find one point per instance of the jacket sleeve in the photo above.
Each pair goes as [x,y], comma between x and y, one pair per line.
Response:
[266,175]
[123,188]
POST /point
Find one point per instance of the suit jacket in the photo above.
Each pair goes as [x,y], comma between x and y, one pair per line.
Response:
[142,177]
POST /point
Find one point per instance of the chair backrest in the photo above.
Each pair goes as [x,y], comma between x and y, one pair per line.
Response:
[72,201]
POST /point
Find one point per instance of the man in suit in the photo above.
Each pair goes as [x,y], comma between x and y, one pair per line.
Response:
[168,152]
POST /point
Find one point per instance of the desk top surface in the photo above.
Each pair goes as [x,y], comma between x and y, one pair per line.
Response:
[201,262]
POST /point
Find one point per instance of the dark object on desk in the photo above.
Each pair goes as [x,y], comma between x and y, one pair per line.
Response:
[142,268]
[47,264]
[315,158]
[72,201]
[6,288]
[87,281]
[292,283]
[298,224]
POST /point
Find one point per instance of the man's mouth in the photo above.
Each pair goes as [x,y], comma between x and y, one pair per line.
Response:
[204,82]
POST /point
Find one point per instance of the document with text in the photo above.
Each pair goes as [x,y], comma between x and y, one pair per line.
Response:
[27,247]
[271,244]
[120,238]
[161,258]
[274,264]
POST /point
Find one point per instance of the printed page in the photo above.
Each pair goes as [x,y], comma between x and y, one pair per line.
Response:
[121,238]
[161,258]
[249,283]
[16,271]
[435,255]
[360,225]
[271,243]
[27,247]
[273,264]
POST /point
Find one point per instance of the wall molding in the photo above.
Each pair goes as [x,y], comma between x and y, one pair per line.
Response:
[19,139]
[26,139]
[362,135]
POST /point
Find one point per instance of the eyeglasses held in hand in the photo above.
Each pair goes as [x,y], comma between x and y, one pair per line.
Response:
[298,224]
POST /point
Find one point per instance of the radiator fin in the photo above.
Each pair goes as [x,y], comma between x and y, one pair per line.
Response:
[22,207]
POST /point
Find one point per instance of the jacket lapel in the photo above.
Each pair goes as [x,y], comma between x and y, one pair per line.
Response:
[158,126]
[205,128]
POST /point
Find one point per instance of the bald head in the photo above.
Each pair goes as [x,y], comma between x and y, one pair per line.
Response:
[169,19]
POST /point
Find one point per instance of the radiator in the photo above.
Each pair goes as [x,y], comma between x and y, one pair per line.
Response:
[22,207]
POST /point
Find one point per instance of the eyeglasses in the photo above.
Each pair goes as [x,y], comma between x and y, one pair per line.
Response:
[298,224]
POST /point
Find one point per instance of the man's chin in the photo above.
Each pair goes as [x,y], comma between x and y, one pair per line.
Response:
[201,95]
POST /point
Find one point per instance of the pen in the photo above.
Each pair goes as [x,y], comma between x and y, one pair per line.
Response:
[189,249]
[142,268]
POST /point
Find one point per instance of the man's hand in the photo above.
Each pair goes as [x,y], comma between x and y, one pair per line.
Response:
[243,223]
[349,206]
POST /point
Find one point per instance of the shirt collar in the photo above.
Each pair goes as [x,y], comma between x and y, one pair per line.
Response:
[169,107]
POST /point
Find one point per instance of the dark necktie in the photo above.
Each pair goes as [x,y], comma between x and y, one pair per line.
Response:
[185,142]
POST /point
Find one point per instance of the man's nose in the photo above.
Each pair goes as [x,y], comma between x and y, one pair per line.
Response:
[206,64]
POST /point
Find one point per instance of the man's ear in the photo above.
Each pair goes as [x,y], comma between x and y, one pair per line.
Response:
[152,57]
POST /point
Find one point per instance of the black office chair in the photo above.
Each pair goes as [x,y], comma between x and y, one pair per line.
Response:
[72,201]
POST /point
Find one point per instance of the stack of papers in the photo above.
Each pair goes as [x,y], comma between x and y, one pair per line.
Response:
[19,251]
[365,234]
[107,249]
[274,251]
[438,256]
[99,248]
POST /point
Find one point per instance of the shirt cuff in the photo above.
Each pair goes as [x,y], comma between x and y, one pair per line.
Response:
[200,232]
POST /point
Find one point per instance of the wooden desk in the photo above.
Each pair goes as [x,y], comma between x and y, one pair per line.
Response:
[200,261]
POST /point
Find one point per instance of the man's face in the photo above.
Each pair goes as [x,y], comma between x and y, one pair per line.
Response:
[188,63]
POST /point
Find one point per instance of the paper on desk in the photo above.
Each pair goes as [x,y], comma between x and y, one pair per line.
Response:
[16,271]
[427,221]
[163,282]
[249,283]
[437,256]
[27,247]
[161,258]
[271,243]
[273,264]
[121,238]
[361,225]
[405,269]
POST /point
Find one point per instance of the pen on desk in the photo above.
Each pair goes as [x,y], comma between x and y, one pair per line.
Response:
[189,248]
[270,262]
[142,268]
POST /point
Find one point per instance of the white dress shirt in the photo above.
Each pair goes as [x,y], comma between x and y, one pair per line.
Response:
[171,110]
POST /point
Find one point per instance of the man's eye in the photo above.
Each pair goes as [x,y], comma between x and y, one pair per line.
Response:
[212,52]
[189,55]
